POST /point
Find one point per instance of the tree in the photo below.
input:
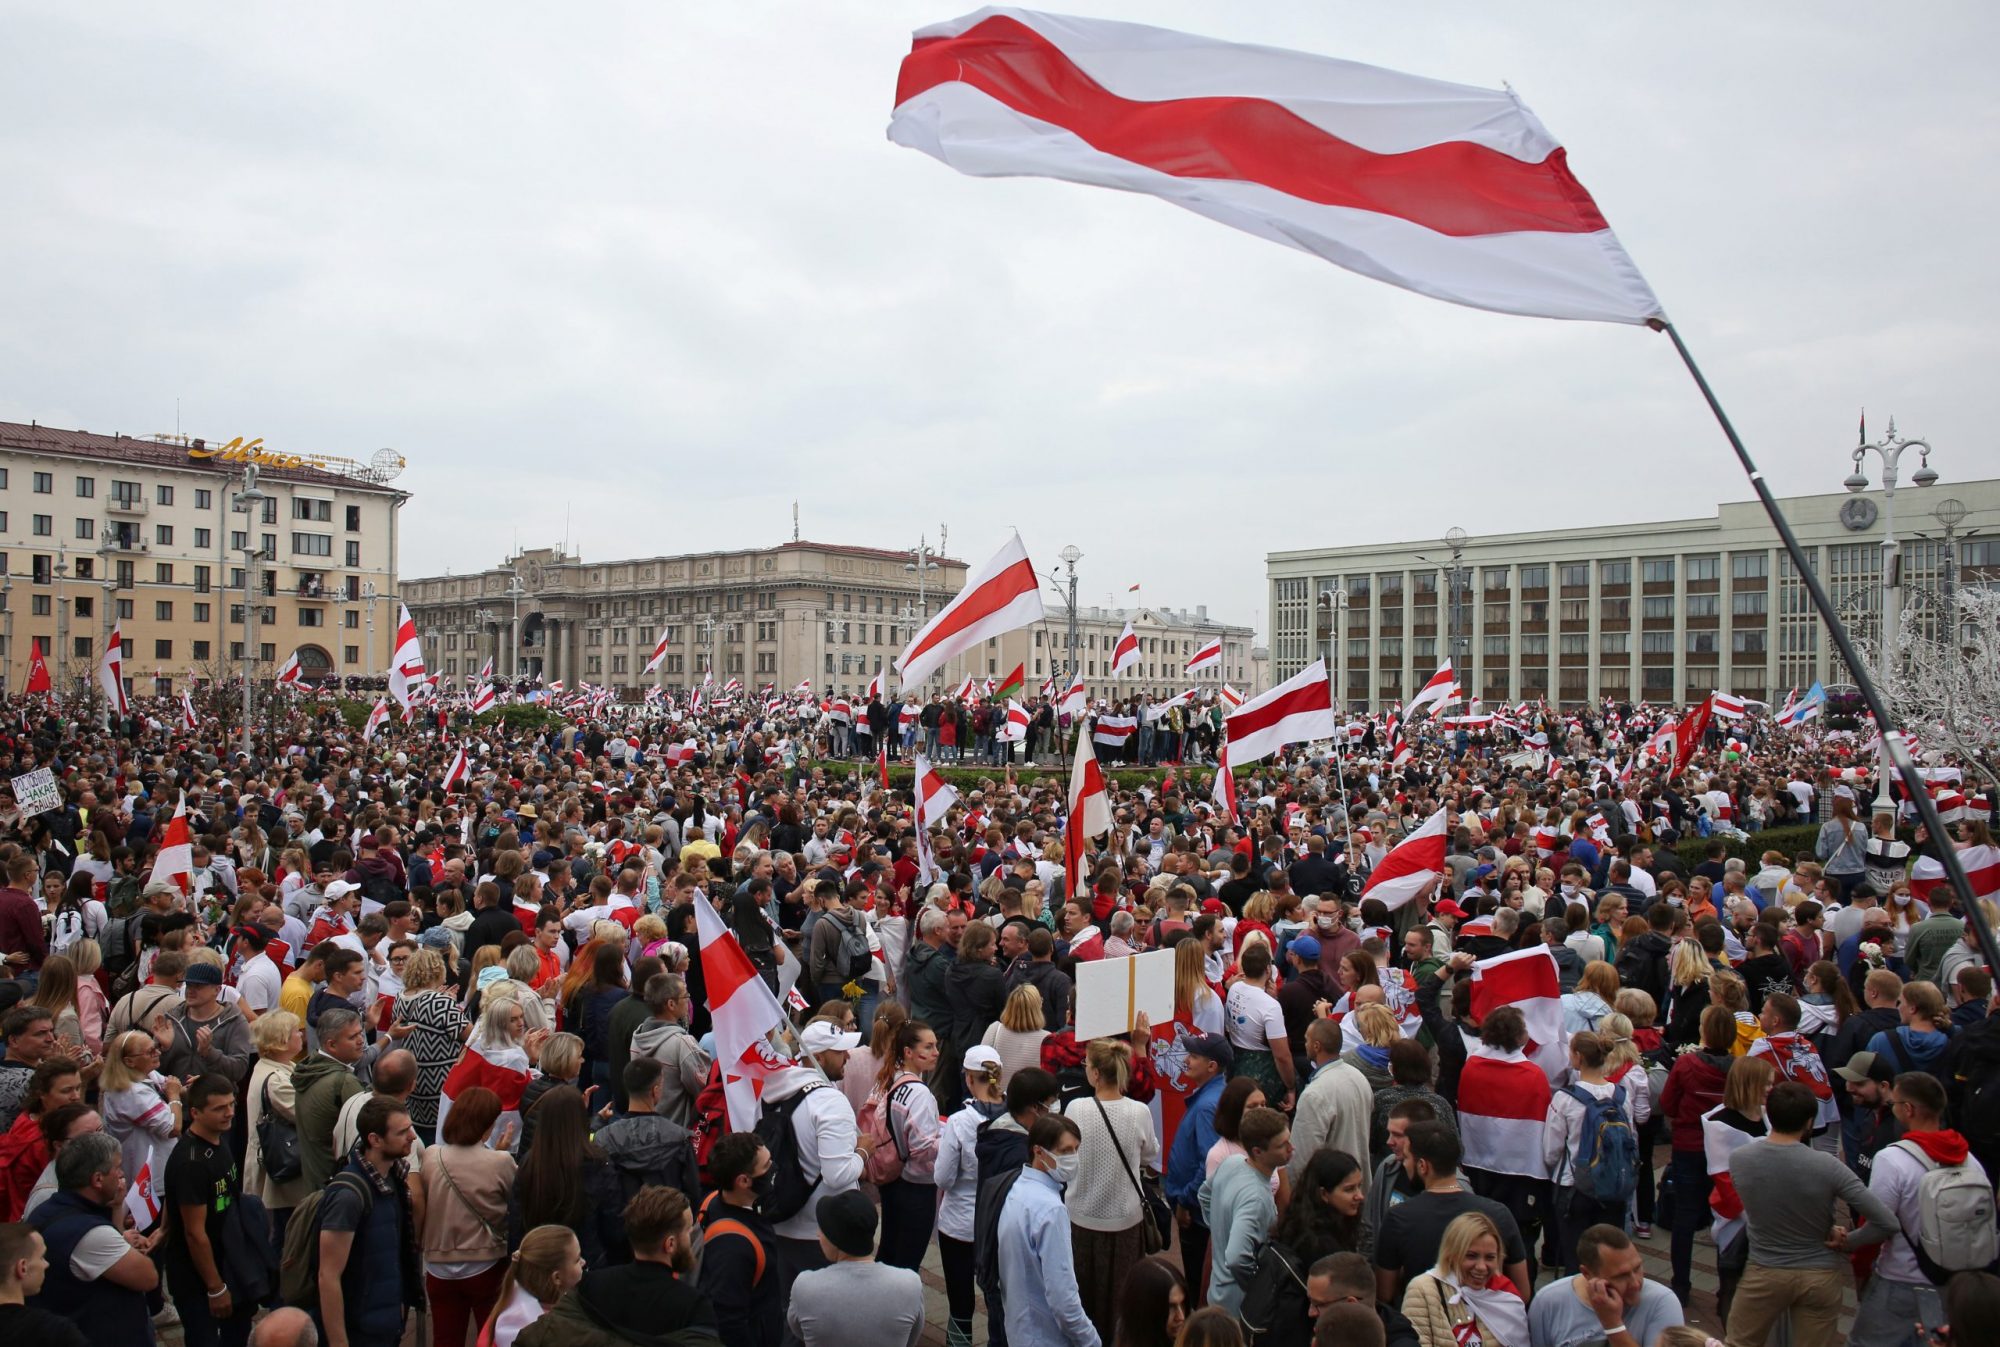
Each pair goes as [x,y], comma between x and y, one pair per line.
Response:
[1944,687]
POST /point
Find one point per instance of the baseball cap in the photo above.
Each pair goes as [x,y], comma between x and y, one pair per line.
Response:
[340,888]
[1307,948]
[1213,906]
[821,1036]
[1214,1047]
[848,1222]
[1860,1068]
[1448,908]
[979,1057]
[203,975]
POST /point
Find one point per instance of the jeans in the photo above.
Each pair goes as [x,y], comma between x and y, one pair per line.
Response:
[909,1211]
[1575,1213]
[1649,1143]
[1688,1172]
[1194,1263]
[1765,1295]
[1890,1312]
[200,1330]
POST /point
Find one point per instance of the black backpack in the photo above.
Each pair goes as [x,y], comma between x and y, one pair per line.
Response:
[790,1189]
[1977,1076]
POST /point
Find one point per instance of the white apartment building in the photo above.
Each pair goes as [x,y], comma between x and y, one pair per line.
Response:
[1662,612]
[1167,639]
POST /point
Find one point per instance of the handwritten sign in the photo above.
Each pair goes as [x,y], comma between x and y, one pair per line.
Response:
[36,792]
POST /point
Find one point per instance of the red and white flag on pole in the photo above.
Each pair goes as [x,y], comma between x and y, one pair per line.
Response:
[935,795]
[486,670]
[1527,980]
[1440,691]
[377,718]
[744,1012]
[1446,189]
[1074,700]
[290,671]
[483,699]
[1224,792]
[1002,596]
[111,672]
[1298,710]
[406,664]
[142,1197]
[38,670]
[875,686]
[1206,656]
[1230,696]
[1126,653]
[804,689]
[1016,729]
[1089,814]
[1728,706]
[659,655]
[175,863]
[454,775]
[1412,864]
[188,718]
[1113,731]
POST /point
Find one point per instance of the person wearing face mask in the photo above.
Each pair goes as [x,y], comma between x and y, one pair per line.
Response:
[957,1178]
[736,1239]
[653,1299]
[1032,1243]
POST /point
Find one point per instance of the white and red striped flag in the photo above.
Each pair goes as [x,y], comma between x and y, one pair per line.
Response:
[1113,731]
[840,709]
[875,686]
[1016,729]
[1231,696]
[486,670]
[1728,706]
[1126,653]
[290,671]
[744,1011]
[1075,701]
[1719,1141]
[406,663]
[1503,1100]
[1207,655]
[454,775]
[1224,792]
[483,699]
[1001,596]
[804,689]
[499,1066]
[1298,710]
[1446,189]
[935,795]
[1527,980]
[188,718]
[111,672]
[1412,864]
[658,658]
[377,717]
[1089,814]
[1440,691]
[175,862]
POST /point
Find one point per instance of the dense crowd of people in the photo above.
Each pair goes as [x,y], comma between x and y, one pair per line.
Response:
[303,1047]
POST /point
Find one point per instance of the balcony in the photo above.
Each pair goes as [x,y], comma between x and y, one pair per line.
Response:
[129,507]
[312,587]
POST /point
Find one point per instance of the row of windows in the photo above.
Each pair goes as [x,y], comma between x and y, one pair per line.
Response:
[128,494]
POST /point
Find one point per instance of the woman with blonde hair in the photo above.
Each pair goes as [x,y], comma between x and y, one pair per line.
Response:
[1195,1002]
[141,1108]
[1730,992]
[1017,1035]
[57,994]
[1375,1025]
[92,1006]
[1591,1001]
[548,1263]
[428,1021]
[1467,1293]
[1107,1213]
[280,1041]
[1687,993]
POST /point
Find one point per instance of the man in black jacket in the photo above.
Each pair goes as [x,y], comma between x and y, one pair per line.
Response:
[1347,1279]
[1880,992]
[1643,963]
[491,923]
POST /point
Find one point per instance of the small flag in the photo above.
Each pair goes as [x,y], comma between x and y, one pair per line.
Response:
[1011,685]
[289,671]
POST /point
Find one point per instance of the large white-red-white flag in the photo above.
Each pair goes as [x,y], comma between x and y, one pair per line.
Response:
[1413,863]
[1528,981]
[483,699]
[188,719]
[1298,710]
[1441,691]
[377,718]
[1016,729]
[291,671]
[1449,190]
[1075,701]
[1126,653]
[1089,814]
[111,672]
[496,1065]
[406,665]
[1503,1100]
[1113,731]
[659,655]
[1002,596]
[744,1011]
[454,775]
[1230,696]
[175,862]
[1207,655]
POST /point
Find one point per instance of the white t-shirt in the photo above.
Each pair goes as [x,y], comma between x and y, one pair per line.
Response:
[1253,1018]
[260,983]
[97,1253]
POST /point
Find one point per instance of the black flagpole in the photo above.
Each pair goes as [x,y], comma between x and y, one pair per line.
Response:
[1892,739]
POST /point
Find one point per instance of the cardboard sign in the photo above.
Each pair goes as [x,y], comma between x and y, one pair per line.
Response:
[36,792]
[1112,993]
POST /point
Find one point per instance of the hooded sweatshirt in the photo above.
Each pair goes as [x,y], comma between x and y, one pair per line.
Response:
[649,1150]
[635,1305]
[1911,1049]
[669,1043]
[320,1085]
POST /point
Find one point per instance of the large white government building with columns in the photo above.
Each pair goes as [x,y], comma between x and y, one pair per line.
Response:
[1661,612]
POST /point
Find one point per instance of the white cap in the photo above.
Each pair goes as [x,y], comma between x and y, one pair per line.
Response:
[979,1057]
[340,888]
[820,1036]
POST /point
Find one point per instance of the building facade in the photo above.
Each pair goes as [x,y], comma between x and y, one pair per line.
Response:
[104,531]
[776,616]
[1660,612]
[1167,639]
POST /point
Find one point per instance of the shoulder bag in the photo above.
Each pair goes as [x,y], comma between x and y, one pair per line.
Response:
[1156,1217]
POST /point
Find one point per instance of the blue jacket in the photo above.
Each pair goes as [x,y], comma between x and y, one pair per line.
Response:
[1187,1166]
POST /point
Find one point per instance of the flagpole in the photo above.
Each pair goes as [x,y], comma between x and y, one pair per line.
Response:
[1892,739]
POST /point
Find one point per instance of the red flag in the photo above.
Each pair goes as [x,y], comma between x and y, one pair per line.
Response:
[882,765]
[38,671]
[1687,734]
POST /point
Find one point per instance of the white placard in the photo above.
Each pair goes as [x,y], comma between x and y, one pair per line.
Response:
[36,792]
[1112,993]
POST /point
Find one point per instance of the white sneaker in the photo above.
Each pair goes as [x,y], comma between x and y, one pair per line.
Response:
[167,1317]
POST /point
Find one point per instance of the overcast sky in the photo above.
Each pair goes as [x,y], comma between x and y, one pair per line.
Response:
[656,268]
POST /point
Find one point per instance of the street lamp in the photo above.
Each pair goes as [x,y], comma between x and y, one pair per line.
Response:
[108,582]
[6,627]
[246,503]
[920,563]
[368,597]
[61,573]
[1890,451]
[515,589]
[486,617]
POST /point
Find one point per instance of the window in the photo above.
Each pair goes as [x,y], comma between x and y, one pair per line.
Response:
[163,572]
[3,479]
[163,650]
[1703,605]
[199,649]
[1573,610]
[353,552]
[1357,649]
[1657,570]
[1704,568]
[45,526]
[354,519]
[1615,572]
[1495,577]
[1424,647]
[1573,576]
[312,617]
[1659,606]
[1701,643]
[1750,642]
[1535,645]
[239,541]
[163,494]
[204,499]
[1389,584]
[45,483]
[1496,614]
[1614,643]
[267,651]
[350,654]
[350,619]
[1426,582]
[85,568]
[80,647]
[267,544]
[1749,602]
[270,511]
[202,612]
[312,544]
[201,579]
[1357,588]
[1534,577]
[163,610]
[1495,647]
[39,605]
[83,606]
[1576,644]
[86,529]
[1616,610]
[1749,565]
[1657,642]
[1391,649]
[163,534]
[312,511]
[86,488]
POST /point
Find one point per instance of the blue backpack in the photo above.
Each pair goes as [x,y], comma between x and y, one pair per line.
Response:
[1606,1165]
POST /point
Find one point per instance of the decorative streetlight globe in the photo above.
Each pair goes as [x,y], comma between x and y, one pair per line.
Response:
[1454,538]
[1950,512]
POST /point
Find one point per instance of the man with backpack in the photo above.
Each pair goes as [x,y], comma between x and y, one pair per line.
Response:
[736,1244]
[646,1149]
[1943,1202]
[839,952]
[816,1150]
[357,1237]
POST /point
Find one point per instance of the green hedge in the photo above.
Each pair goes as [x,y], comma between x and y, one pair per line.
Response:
[521,715]
[900,773]
[1798,840]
